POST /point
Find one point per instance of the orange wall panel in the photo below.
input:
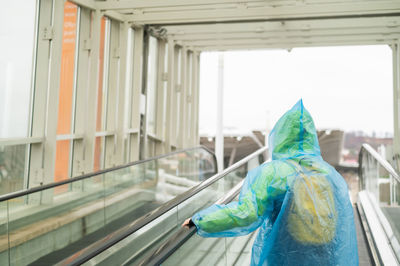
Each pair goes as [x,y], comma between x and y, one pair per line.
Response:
[66,91]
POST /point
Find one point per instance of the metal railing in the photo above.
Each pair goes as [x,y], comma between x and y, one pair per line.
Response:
[379,198]
[374,171]
[25,192]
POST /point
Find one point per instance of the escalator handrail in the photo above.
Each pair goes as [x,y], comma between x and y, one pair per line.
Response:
[25,192]
[384,163]
[98,247]
[183,234]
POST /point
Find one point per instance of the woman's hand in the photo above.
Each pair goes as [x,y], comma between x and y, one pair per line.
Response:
[186,223]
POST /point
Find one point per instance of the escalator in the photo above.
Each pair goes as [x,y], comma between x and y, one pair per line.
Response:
[47,224]
[130,244]
[377,228]
[187,248]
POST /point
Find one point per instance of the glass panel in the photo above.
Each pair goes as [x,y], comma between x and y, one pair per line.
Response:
[4,234]
[62,163]
[17,42]
[384,188]
[12,168]
[199,251]
[45,224]
[137,186]
[98,154]
[213,251]
[152,85]
[67,69]
[53,224]
[132,249]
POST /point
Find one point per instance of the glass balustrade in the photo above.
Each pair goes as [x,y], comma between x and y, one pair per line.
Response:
[382,183]
[46,224]
[135,247]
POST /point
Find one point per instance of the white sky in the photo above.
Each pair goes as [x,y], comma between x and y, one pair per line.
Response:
[349,88]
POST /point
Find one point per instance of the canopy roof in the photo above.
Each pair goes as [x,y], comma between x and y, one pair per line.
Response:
[260,24]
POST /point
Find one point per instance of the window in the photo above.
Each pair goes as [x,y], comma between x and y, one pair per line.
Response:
[67,88]
[17,43]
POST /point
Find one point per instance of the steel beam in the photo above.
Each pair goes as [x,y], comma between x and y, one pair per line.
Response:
[36,173]
[269,12]
[134,4]
[183,103]
[276,26]
[161,95]
[136,93]
[82,85]
[396,98]
[53,96]
[195,97]
[91,108]
[170,94]
[219,136]
[288,45]
[122,94]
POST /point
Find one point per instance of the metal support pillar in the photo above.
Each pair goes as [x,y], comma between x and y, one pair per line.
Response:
[170,94]
[396,101]
[53,94]
[136,94]
[120,143]
[174,103]
[36,171]
[91,109]
[219,138]
[112,91]
[161,108]
[82,85]
[183,101]
[196,99]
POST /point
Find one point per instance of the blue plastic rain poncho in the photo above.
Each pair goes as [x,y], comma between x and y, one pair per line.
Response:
[298,201]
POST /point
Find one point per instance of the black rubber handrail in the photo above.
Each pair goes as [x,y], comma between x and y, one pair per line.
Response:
[98,247]
[179,238]
[85,176]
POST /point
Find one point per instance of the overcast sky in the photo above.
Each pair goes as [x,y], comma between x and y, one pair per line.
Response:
[347,88]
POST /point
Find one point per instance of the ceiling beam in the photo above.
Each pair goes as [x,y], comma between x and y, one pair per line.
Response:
[280,34]
[304,25]
[91,4]
[286,46]
[330,10]
[115,15]
[133,4]
[276,41]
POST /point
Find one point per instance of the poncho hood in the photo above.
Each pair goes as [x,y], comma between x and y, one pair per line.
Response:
[294,135]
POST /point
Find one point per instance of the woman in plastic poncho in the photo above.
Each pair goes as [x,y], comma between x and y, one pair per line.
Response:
[298,201]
